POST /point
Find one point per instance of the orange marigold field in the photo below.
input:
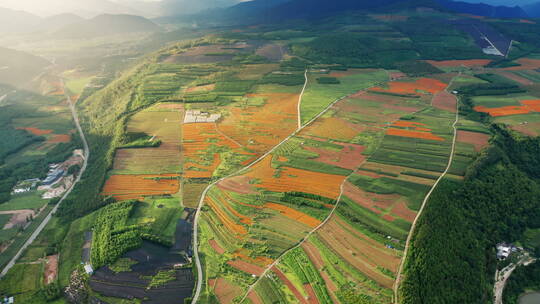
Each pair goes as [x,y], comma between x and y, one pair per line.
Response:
[294,214]
[260,127]
[198,137]
[429,85]
[471,63]
[291,179]
[413,134]
[124,187]
[528,106]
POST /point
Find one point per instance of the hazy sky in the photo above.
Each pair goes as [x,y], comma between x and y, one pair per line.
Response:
[48,7]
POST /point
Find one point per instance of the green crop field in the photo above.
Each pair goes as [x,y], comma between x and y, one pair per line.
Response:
[318,96]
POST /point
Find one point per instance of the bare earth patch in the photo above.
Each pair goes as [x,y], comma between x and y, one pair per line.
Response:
[479,140]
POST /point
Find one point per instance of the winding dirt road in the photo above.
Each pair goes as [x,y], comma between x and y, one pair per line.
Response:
[424,202]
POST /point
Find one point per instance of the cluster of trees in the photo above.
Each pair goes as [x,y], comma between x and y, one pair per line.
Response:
[452,256]
[524,278]
[112,236]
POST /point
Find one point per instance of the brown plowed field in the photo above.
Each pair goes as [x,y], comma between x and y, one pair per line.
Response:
[428,85]
[51,269]
[479,140]
[517,78]
[445,101]
[471,63]
[225,290]
[216,246]
[372,201]
[312,297]
[400,209]
[349,157]
[238,184]
[124,187]
[246,267]
[289,285]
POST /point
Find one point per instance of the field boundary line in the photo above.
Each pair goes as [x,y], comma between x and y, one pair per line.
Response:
[46,220]
[300,101]
[203,195]
[426,198]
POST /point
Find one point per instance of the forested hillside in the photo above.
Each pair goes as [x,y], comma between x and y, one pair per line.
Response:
[452,258]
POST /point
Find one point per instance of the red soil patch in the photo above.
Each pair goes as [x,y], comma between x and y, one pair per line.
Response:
[36,131]
[260,127]
[525,64]
[413,134]
[432,86]
[472,63]
[445,101]
[349,157]
[238,184]
[124,187]
[479,140]
[527,21]
[294,214]
[289,285]
[51,269]
[225,290]
[291,179]
[216,247]
[312,297]
[59,138]
[400,209]
[246,267]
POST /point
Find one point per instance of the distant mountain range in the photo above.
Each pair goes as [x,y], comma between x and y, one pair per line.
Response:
[273,10]
[17,67]
[73,26]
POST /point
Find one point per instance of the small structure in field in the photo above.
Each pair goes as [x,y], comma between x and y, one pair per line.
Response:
[88,269]
[197,116]
[504,250]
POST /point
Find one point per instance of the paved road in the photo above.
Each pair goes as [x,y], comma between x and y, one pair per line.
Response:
[53,211]
[501,277]
[424,203]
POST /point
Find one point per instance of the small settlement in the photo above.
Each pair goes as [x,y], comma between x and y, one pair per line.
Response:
[504,250]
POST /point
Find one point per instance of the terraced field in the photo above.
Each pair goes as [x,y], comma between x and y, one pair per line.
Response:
[342,193]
